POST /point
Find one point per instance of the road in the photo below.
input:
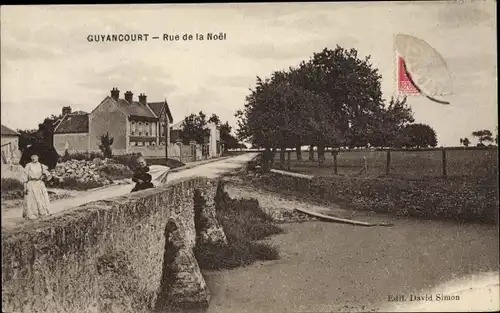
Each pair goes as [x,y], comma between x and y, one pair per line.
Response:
[13,217]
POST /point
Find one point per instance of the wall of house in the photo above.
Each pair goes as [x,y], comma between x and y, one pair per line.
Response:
[10,149]
[108,255]
[107,118]
[74,142]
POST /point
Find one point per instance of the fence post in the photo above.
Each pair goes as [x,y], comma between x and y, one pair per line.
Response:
[388,163]
[335,152]
[289,159]
[443,155]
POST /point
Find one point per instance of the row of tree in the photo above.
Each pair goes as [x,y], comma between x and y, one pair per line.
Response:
[483,136]
[332,100]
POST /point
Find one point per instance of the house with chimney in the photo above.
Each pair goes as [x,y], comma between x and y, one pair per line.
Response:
[135,126]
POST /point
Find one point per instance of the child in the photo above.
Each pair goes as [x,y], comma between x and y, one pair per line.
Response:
[141,176]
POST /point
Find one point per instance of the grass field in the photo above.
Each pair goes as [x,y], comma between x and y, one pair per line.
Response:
[411,164]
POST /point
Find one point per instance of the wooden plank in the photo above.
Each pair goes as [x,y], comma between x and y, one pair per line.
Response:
[342,220]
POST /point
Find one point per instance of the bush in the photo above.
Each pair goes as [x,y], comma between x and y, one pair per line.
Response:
[12,189]
[115,171]
[87,156]
[129,160]
[11,184]
[105,146]
[243,222]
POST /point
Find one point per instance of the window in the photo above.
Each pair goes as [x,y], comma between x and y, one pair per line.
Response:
[132,128]
[150,128]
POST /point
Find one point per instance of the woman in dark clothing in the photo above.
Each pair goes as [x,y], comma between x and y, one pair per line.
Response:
[141,177]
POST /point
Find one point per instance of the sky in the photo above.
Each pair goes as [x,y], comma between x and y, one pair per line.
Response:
[47,61]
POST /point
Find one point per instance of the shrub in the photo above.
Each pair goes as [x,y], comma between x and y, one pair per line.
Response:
[243,222]
[87,156]
[11,184]
[129,160]
[12,189]
[115,171]
[105,146]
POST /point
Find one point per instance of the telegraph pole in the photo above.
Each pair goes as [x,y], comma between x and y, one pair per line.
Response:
[165,117]
[166,141]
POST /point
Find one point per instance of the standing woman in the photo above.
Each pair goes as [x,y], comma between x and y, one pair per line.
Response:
[36,197]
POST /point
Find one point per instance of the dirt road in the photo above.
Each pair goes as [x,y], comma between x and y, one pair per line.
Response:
[13,216]
[330,267]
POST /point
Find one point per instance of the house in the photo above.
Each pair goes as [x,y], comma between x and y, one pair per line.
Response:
[135,126]
[10,145]
[212,145]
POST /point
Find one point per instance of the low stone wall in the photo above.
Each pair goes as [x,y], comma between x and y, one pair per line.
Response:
[107,256]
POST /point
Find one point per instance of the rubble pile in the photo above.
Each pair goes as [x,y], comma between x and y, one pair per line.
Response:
[82,171]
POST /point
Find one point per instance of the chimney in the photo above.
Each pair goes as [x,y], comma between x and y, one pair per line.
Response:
[142,99]
[115,93]
[128,96]
[66,110]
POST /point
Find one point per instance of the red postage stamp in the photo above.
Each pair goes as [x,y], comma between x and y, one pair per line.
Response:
[404,84]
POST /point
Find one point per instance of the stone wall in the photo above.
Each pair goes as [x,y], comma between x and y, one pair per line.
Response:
[107,256]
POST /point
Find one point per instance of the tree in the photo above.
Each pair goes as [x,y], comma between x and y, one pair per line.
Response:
[464,141]
[230,142]
[420,136]
[194,127]
[44,134]
[482,136]
[47,127]
[388,124]
[105,146]
[331,100]
[496,136]
[27,137]
[214,119]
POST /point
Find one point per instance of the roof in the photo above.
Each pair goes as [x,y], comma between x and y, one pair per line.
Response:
[8,132]
[135,109]
[178,125]
[79,113]
[73,123]
[157,108]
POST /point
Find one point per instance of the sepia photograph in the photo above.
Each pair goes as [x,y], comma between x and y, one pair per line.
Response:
[250,157]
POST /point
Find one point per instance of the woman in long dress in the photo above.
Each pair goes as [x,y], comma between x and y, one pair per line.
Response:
[36,197]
